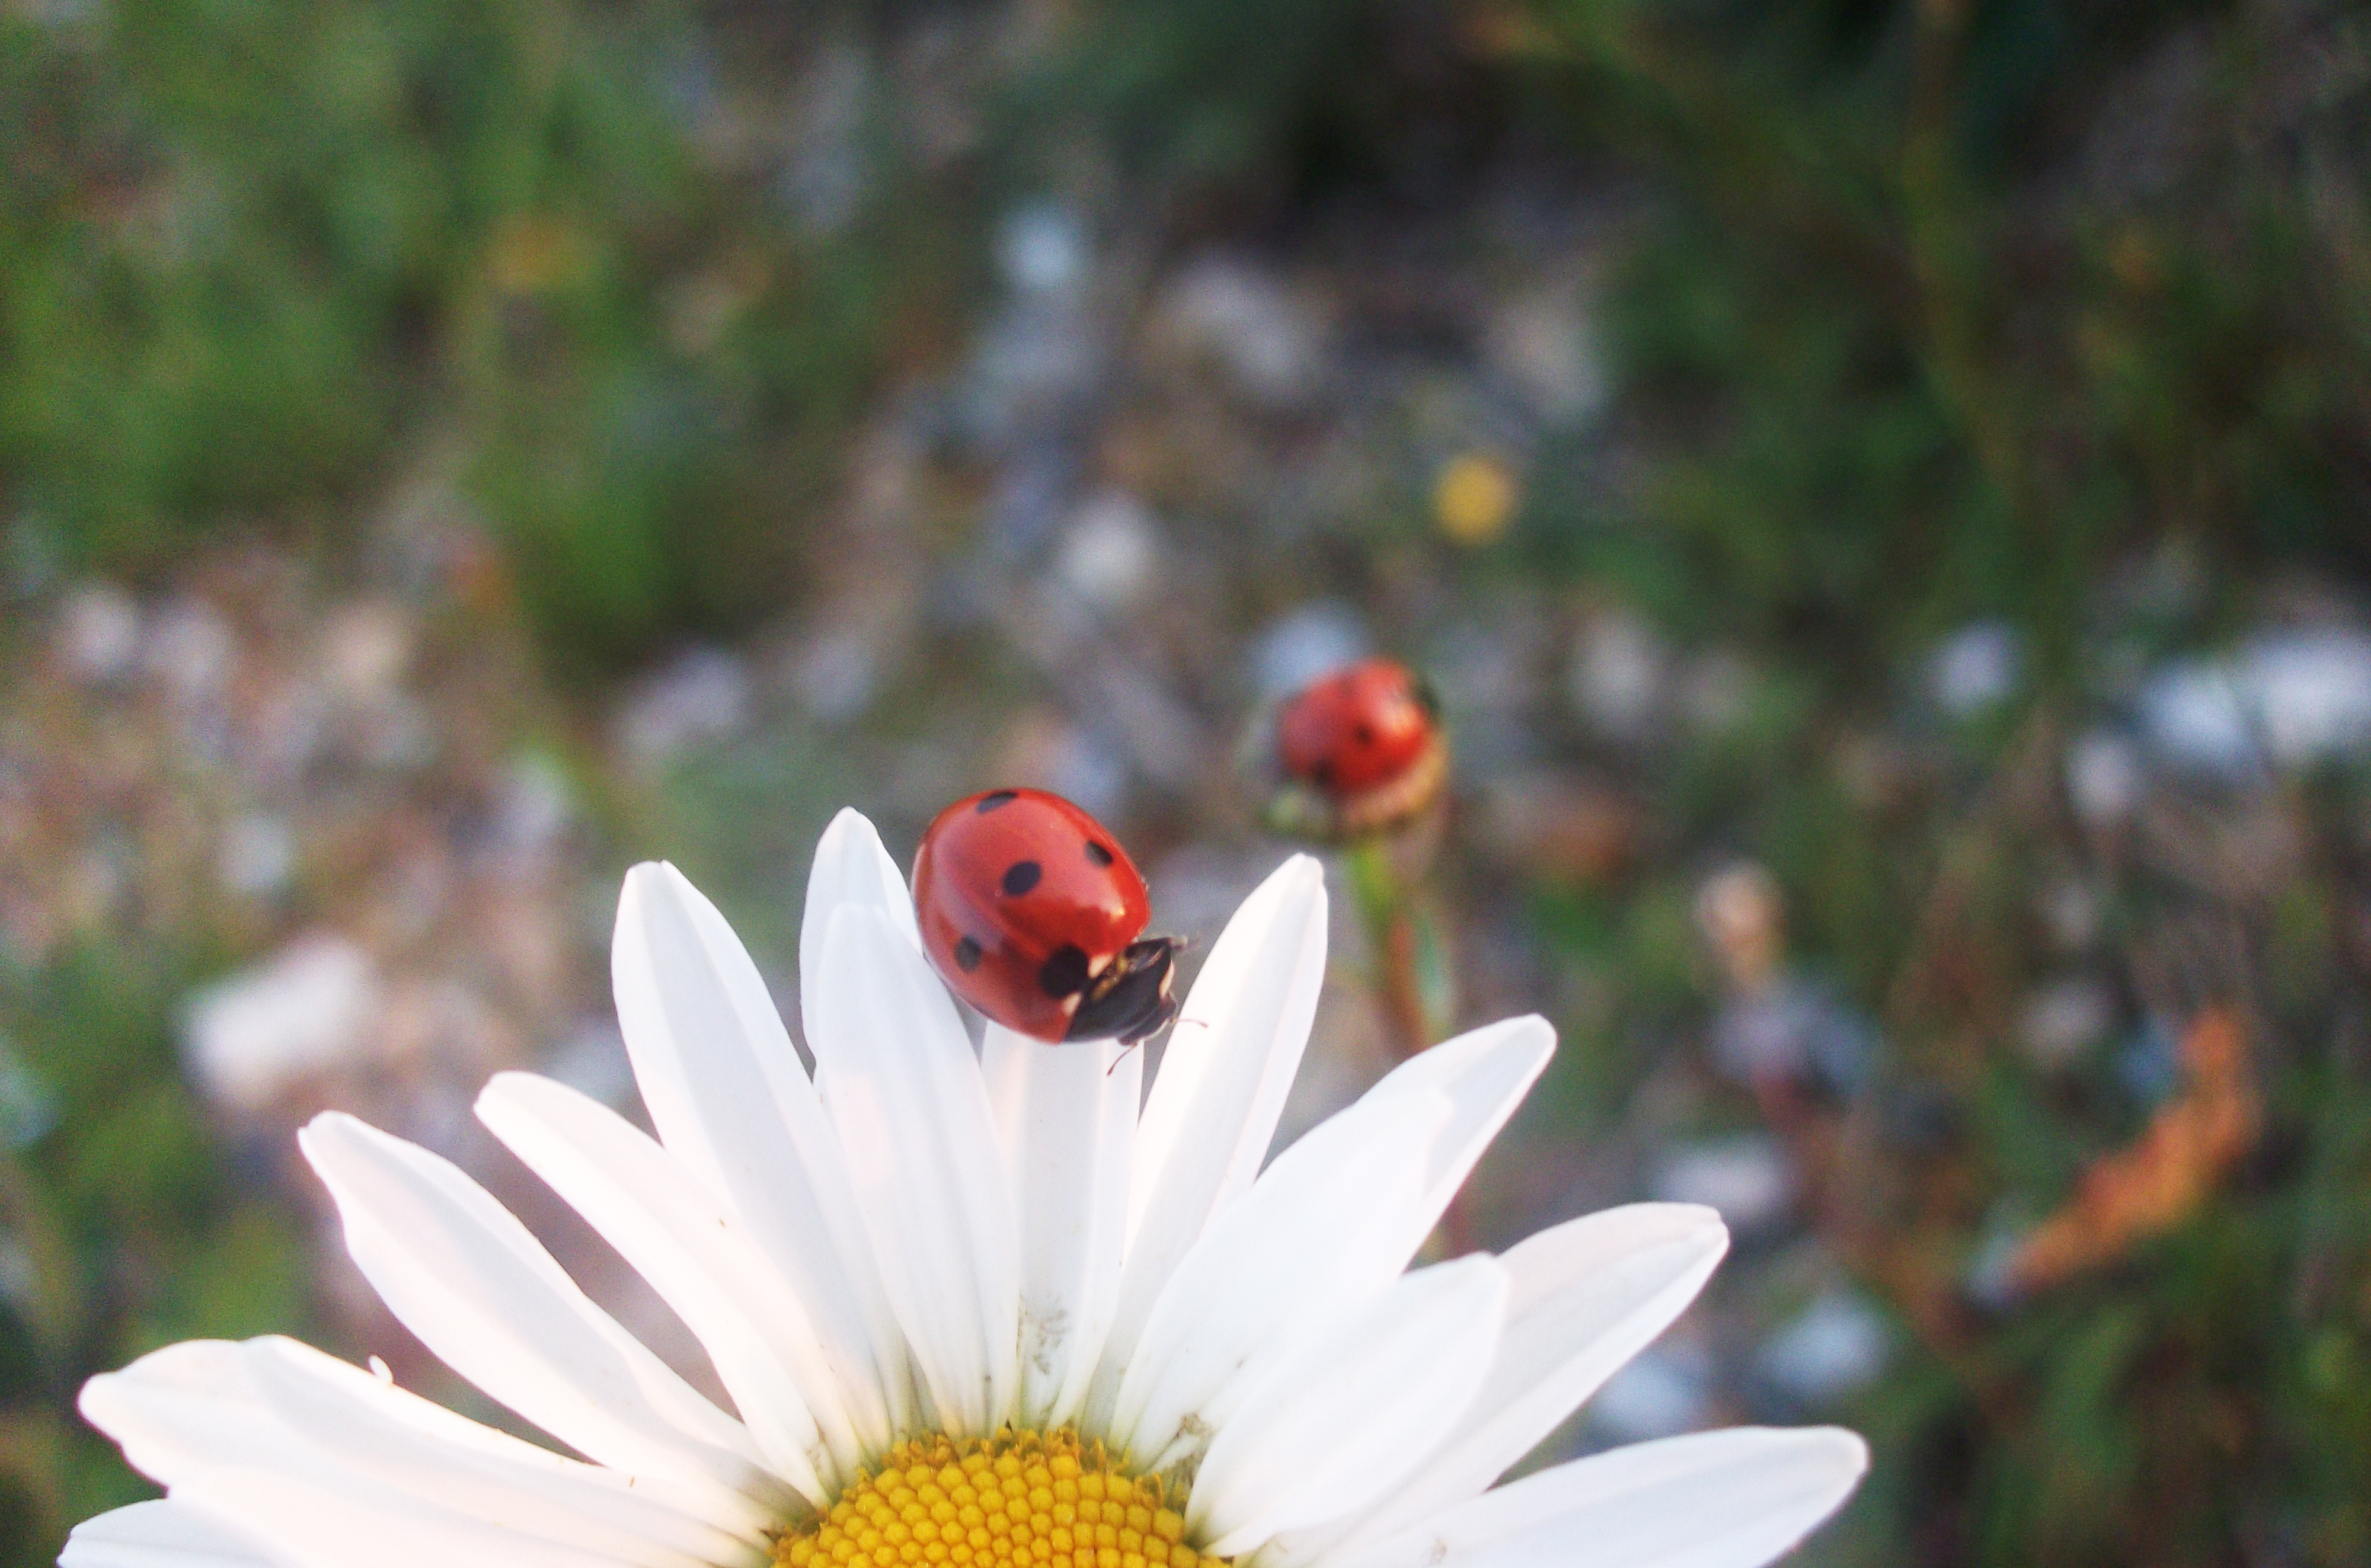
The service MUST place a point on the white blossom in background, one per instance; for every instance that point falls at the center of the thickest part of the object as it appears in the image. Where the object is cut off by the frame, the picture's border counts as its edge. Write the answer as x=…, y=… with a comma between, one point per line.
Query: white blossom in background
x=2288, y=700
x=2105, y=780
x=98, y=632
x=1619, y=675
x=304, y=1011
x=2312, y=694
x=1110, y=551
x=1835, y=1346
x=1312, y=640
x=703, y=695
x=1976, y=668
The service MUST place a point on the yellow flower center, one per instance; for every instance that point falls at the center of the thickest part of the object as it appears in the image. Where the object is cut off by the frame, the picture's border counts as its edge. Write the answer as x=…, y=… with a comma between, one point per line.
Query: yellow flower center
x=1016, y=1500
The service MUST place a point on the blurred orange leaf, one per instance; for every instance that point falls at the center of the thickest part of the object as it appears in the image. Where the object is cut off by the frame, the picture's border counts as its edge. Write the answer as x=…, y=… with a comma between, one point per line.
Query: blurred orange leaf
x=2150, y=1187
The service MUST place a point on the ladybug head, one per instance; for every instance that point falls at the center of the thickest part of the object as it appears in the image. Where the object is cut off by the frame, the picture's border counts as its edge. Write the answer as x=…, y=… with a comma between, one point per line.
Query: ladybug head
x=1131, y=1000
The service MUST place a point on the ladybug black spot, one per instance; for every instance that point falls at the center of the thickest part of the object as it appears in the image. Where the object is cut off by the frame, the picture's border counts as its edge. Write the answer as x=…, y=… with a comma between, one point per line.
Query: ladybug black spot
x=1020, y=876
x=1065, y=973
x=1323, y=775
x=1098, y=854
x=996, y=798
x=1364, y=734
x=966, y=955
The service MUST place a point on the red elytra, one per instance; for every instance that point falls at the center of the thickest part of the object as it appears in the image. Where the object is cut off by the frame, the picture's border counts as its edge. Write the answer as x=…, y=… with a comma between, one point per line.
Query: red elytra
x=1356, y=729
x=1033, y=913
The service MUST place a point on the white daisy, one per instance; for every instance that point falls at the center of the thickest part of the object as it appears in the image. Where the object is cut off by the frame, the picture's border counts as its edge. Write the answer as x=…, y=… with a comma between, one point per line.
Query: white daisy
x=973, y=1310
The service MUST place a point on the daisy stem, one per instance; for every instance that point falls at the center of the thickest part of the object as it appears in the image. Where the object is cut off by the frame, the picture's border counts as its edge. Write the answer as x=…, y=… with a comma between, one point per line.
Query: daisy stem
x=1405, y=946
x=1409, y=970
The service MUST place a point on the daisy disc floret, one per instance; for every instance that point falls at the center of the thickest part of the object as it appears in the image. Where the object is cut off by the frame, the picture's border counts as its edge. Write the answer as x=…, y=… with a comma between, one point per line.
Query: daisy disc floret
x=990, y=1306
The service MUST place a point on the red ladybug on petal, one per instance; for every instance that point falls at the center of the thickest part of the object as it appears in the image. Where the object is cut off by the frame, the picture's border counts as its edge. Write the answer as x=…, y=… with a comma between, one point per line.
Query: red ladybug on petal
x=1365, y=742
x=1033, y=914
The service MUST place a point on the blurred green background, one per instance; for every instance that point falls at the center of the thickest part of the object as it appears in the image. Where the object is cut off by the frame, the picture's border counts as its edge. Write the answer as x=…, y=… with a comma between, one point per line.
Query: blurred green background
x=1884, y=487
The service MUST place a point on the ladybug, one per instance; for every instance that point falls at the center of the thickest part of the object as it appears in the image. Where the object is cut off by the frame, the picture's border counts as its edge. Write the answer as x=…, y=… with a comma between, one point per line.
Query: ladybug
x=1362, y=750
x=1034, y=915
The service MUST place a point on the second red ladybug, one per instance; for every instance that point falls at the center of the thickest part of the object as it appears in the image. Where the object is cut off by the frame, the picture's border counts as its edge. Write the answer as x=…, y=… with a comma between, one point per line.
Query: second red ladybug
x=1360, y=751
x=1034, y=915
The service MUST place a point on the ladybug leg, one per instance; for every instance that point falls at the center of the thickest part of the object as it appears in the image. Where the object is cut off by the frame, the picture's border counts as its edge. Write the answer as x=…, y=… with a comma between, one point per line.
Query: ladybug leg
x=1183, y=1024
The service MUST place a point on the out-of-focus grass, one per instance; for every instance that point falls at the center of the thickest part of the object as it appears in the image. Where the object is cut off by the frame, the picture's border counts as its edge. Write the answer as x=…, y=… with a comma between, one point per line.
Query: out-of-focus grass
x=1941, y=312
x=1947, y=306
x=1926, y=312
x=131, y=1230
x=258, y=263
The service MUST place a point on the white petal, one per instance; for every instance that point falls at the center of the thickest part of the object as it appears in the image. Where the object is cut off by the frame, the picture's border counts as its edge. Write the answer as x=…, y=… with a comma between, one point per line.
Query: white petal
x=1214, y=1104
x=673, y=1232
x=1339, y=1235
x=463, y=1275
x=1733, y=1499
x=929, y=1175
x=1322, y=1231
x=1066, y=1115
x=303, y=1521
x=1486, y=1073
x=730, y=1100
x=850, y=867
x=160, y=1535
x=1588, y=1295
x=279, y=1407
x=1351, y=1416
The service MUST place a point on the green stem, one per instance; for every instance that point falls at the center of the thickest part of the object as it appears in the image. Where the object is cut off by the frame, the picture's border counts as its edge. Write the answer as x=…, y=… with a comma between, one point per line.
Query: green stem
x=1414, y=983
x=1411, y=969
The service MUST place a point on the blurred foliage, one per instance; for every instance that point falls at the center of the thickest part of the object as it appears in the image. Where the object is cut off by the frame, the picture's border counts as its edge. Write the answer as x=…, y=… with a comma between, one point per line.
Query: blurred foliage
x=1948, y=306
x=1942, y=311
x=125, y=1225
x=253, y=259
x=1941, y=307
x=1928, y=311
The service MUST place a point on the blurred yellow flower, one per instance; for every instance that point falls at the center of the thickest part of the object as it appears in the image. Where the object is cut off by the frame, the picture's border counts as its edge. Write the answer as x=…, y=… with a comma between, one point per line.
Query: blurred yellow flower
x=1476, y=498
